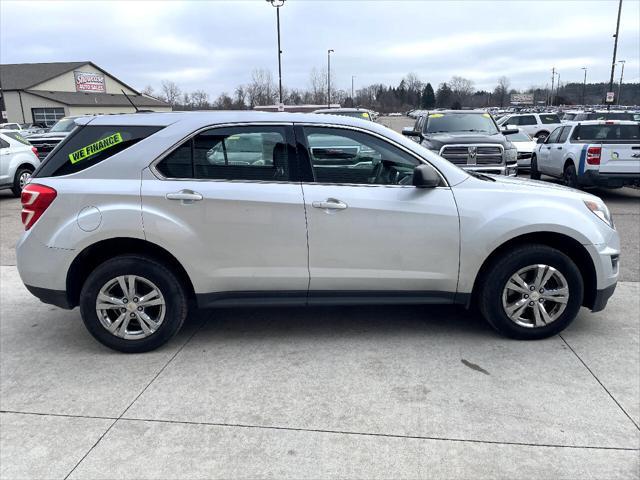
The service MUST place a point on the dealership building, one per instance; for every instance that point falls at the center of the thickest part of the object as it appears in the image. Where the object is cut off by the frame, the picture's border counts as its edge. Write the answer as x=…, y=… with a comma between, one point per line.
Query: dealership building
x=46, y=92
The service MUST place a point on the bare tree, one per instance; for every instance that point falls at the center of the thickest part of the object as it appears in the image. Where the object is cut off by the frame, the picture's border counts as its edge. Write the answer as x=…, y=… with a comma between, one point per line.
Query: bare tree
x=200, y=100
x=170, y=92
x=261, y=90
x=318, y=86
x=223, y=102
x=502, y=89
x=148, y=90
x=240, y=97
x=462, y=89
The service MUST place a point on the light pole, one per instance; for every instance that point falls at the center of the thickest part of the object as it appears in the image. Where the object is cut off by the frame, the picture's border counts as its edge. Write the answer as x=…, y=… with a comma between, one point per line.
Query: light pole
x=278, y=4
x=584, y=85
x=553, y=78
x=615, y=50
x=329, y=77
x=621, y=75
x=352, y=101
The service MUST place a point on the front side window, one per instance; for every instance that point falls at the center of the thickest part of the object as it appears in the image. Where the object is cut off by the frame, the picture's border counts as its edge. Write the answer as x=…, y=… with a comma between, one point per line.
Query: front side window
x=89, y=145
x=352, y=157
x=553, y=138
x=549, y=118
x=528, y=120
x=564, y=135
x=234, y=153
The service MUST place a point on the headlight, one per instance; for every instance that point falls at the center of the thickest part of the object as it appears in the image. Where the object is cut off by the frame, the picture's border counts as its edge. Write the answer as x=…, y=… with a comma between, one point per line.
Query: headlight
x=511, y=155
x=601, y=211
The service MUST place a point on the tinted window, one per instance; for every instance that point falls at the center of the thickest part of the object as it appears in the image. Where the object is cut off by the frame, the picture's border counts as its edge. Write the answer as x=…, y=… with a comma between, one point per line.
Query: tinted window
x=549, y=118
x=238, y=153
x=346, y=156
x=607, y=132
x=564, y=134
x=605, y=116
x=553, y=138
x=90, y=145
x=569, y=116
x=17, y=137
x=3, y=143
x=527, y=120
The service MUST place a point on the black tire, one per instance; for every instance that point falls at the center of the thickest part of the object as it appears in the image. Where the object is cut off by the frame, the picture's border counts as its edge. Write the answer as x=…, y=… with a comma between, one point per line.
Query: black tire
x=16, y=188
x=171, y=288
x=534, y=173
x=570, y=176
x=501, y=270
x=542, y=134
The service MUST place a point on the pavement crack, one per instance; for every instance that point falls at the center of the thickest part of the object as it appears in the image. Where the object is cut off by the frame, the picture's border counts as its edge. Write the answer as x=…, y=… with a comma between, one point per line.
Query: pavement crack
x=601, y=384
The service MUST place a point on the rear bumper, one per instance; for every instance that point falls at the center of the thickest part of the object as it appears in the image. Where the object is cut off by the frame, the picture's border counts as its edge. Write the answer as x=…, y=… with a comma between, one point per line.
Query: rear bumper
x=598, y=179
x=58, y=298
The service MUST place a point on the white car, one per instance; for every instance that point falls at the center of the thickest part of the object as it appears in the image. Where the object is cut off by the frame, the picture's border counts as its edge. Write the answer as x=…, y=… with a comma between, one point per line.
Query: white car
x=136, y=218
x=535, y=124
x=18, y=160
x=524, y=146
x=592, y=153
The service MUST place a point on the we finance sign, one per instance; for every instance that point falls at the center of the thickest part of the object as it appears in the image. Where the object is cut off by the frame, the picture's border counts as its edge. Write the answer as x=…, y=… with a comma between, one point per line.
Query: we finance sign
x=89, y=82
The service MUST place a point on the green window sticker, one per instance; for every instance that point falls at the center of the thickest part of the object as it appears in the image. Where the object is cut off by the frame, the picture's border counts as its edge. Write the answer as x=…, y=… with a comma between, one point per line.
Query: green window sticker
x=96, y=147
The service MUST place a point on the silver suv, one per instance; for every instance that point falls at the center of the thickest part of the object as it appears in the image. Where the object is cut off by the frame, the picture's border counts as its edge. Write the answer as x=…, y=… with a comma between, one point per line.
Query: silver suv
x=136, y=217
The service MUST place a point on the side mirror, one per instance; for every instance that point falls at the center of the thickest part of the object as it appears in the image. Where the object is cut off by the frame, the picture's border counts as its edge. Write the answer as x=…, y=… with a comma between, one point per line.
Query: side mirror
x=541, y=139
x=509, y=129
x=425, y=176
x=410, y=132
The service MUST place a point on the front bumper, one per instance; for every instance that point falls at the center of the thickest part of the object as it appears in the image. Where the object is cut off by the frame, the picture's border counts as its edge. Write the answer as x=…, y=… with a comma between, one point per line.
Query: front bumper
x=602, y=297
x=510, y=170
x=595, y=178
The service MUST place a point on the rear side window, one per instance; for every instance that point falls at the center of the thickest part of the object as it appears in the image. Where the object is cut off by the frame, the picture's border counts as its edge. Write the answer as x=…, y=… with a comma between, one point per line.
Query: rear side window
x=607, y=132
x=547, y=118
x=232, y=153
x=528, y=120
x=17, y=137
x=89, y=145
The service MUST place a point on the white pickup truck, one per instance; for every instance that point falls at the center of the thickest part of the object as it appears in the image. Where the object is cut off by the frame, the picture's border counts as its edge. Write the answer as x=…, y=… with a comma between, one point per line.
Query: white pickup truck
x=591, y=153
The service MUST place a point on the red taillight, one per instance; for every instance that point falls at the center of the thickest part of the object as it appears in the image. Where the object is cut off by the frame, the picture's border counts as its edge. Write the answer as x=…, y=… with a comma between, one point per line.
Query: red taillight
x=593, y=155
x=35, y=200
x=35, y=151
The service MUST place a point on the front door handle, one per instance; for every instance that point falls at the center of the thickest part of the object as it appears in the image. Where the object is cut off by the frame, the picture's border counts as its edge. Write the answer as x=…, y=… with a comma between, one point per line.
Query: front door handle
x=330, y=204
x=559, y=148
x=186, y=196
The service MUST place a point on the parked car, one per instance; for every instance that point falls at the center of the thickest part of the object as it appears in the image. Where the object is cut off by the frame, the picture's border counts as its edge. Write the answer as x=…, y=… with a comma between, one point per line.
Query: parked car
x=524, y=145
x=18, y=160
x=535, y=124
x=33, y=128
x=591, y=153
x=469, y=139
x=135, y=217
x=347, y=112
x=46, y=142
x=10, y=126
x=603, y=115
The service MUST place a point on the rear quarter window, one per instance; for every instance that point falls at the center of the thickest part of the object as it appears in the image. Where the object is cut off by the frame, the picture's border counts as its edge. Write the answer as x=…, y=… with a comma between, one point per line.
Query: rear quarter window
x=17, y=137
x=549, y=118
x=90, y=145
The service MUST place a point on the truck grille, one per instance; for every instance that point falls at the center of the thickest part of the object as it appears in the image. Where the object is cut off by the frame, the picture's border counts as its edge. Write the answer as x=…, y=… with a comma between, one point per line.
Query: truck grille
x=473, y=154
x=44, y=147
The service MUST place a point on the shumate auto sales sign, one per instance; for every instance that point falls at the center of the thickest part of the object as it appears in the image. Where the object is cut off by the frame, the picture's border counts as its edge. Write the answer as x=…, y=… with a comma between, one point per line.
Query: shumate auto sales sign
x=89, y=82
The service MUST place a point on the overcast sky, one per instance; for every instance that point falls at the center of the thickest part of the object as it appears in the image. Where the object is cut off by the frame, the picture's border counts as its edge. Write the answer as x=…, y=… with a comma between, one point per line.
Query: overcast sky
x=214, y=45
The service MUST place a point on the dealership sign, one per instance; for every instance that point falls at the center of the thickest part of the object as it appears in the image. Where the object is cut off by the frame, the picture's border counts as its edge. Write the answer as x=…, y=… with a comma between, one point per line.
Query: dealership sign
x=89, y=82
x=520, y=98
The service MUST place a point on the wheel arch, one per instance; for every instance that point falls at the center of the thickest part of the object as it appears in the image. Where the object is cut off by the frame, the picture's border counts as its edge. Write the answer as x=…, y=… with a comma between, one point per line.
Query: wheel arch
x=564, y=243
x=95, y=254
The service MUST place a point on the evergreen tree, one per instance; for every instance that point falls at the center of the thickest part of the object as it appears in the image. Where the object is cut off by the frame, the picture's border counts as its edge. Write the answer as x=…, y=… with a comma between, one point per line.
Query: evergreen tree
x=444, y=96
x=428, y=97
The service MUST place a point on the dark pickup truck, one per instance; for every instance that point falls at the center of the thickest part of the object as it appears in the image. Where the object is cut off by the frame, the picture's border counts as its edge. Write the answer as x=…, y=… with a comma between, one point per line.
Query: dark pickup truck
x=470, y=139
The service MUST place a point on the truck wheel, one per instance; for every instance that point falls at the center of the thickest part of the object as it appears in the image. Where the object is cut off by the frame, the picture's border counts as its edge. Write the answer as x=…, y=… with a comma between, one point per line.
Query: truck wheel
x=534, y=174
x=532, y=292
x=133, y=304
x=542, y=134
x=22, y=176
x=570, y=176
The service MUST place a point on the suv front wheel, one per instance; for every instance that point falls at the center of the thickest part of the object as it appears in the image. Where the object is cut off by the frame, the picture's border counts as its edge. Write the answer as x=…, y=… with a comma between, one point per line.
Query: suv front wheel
x=532, y=292
x=133, y=304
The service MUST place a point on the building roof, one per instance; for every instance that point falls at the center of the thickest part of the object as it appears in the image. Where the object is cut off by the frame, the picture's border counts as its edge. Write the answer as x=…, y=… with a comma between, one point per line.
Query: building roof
x=86, y=99
x=22, y=76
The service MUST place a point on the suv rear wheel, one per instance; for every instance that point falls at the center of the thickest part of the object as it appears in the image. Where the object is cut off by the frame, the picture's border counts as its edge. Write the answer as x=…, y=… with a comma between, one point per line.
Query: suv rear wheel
x=532, y=292
x=133, y=304
x=22, y=176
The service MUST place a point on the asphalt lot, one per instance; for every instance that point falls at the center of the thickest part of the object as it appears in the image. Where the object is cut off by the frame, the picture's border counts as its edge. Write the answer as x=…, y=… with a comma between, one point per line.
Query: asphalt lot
x=355, y=392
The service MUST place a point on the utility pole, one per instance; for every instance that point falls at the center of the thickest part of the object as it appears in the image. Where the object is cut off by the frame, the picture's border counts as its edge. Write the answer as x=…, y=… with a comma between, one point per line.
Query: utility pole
x=353, y=76
x=615, y=50
x=278, y=4
x=621, y=75
x=558, y=88
x=329, y=78
x=553, y=78
x=584, y=85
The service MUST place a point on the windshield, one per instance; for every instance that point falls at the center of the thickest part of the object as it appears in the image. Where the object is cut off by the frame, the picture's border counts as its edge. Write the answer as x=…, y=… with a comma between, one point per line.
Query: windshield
x=64, y=125
x=569, y=116
x=460, y=122
x=520, y=137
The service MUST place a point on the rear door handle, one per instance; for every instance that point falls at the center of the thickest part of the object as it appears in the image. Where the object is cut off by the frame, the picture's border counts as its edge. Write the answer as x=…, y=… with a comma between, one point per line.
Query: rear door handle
x=330, y=204
x=186, y=196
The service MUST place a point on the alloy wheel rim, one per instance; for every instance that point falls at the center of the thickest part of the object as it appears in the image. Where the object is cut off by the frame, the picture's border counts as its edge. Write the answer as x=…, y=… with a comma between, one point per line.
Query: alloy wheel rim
x=535, y=296
x=24, y=178
x=130, y=307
